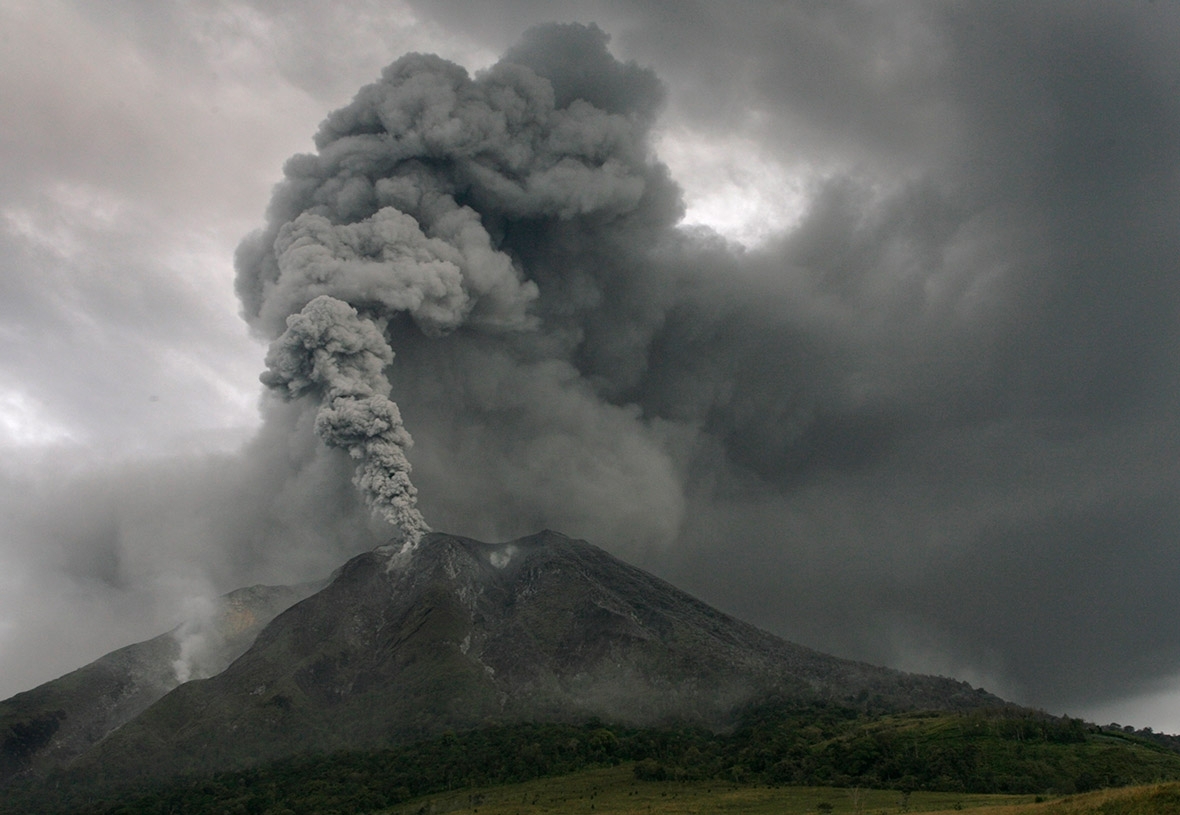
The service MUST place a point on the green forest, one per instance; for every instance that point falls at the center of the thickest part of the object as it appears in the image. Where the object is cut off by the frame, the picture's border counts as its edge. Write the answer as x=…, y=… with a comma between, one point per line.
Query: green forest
x=778, y=744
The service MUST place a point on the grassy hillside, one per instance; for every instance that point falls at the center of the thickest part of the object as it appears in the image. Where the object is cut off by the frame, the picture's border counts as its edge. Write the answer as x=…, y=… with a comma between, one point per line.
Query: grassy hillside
x=1151, y=799
x=1001, y=751
x=616, y=791
x=612, y=792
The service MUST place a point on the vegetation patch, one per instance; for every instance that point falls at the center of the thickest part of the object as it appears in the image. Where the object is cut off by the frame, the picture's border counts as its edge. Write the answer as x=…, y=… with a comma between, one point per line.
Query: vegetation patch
x=616, y=792
x=777, y=751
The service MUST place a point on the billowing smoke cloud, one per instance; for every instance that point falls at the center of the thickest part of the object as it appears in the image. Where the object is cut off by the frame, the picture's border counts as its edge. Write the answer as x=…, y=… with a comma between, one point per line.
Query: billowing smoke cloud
x=929, y=424
x=565, y=356
x=420, y=217
x=938, y=356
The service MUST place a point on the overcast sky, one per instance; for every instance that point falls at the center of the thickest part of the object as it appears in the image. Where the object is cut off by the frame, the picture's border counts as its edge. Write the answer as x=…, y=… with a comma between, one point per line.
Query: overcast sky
x=861, y=322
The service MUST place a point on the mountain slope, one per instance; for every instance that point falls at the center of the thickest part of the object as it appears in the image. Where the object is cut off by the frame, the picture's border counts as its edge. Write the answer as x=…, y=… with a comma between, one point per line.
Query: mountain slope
x=54, y=723
x=457, y=633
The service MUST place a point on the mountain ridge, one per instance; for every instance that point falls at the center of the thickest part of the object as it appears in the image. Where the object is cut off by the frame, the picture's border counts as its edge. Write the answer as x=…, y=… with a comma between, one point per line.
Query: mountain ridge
x=52, y=724
x=456, y=633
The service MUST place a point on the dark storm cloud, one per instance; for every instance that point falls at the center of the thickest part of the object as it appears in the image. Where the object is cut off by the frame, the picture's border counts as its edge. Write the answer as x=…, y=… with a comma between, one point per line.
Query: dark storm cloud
x=942, y=398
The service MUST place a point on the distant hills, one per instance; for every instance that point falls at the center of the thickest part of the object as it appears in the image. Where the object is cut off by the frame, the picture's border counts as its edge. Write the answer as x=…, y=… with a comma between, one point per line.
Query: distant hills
x=458, y=636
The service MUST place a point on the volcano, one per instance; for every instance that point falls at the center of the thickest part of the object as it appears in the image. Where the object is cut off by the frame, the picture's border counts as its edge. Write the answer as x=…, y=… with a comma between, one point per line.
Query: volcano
x=455, y=634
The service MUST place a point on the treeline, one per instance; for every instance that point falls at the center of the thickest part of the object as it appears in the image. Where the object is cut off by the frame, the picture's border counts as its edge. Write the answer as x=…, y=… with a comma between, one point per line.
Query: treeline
x=776, y=743
x=1170, y=741
x=1002, y=751
x=355, y=781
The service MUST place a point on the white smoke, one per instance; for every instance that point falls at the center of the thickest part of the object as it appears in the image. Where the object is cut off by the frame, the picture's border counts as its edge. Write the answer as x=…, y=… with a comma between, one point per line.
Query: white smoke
x=198, y=640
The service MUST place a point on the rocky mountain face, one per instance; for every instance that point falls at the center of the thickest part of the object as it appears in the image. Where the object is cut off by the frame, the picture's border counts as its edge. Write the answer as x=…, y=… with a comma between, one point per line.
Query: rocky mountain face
x=54, y=723
x=458, y=633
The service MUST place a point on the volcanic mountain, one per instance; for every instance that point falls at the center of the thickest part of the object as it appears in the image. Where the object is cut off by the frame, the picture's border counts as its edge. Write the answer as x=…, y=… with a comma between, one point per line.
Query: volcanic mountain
x=456, y=633
x=54, y=723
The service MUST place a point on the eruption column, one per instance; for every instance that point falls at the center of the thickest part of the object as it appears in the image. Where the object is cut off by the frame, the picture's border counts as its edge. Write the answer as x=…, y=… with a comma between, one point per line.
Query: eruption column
x=329, y=349
x=437, y=204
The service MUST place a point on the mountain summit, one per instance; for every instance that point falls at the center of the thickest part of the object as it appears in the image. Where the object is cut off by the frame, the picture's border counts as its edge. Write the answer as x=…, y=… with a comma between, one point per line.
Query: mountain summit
x=455, y=633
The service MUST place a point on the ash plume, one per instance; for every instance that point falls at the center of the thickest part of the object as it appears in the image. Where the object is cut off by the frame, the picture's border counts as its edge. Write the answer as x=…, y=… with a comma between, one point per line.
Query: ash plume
x=405, y=228
x=329, y=350
x=934, y=403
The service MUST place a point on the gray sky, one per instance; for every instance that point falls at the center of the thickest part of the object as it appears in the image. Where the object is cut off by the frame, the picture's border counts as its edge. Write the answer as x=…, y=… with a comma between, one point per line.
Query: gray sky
x=912, y=400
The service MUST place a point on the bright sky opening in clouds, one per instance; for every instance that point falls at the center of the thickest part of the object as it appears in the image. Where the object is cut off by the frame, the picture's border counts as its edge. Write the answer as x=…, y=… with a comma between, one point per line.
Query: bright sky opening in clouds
x=731, y=188
x=23, y=422
x=925, y=417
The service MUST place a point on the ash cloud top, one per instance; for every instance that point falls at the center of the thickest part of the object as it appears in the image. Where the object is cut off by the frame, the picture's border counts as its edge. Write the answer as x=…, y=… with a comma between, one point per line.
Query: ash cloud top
x=928, y=420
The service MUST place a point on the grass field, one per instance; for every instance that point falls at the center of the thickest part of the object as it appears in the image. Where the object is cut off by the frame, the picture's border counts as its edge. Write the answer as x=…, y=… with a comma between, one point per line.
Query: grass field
x=615, y=791
x=1150, y=799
